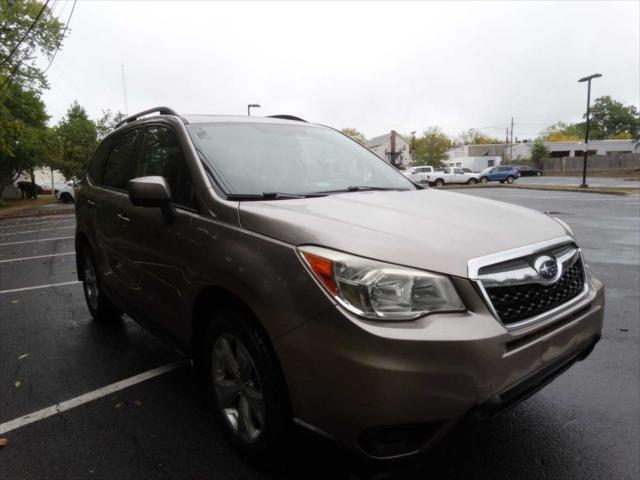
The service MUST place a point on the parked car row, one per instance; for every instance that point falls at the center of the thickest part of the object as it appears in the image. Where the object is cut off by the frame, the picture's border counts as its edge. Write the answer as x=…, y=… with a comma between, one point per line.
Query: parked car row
x=441, y=176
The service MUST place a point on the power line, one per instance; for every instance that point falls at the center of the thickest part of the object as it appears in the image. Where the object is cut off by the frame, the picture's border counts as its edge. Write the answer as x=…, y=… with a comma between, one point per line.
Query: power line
x=33, y=24
x=64, y=32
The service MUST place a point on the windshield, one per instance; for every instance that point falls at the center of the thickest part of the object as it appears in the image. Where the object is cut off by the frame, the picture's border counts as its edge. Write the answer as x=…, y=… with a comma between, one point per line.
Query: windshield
x=258, y=158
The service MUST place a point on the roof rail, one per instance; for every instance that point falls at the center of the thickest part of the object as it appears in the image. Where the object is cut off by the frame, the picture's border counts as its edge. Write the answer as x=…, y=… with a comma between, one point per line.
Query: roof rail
x=160, y=110
x=288, y=117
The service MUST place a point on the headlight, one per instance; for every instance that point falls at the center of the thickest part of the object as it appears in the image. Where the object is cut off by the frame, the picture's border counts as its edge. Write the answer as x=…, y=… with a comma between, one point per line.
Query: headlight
x=380, y=291
x=566, y=226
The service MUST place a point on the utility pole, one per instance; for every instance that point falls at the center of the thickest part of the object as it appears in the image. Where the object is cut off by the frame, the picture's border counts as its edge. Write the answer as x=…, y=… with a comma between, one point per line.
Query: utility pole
x=124, y=90
x=506, y=142
x=511, y=144
x=413, y=147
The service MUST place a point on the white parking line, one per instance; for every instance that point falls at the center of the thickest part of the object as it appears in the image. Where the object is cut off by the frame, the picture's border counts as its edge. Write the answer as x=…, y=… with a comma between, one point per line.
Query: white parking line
x=24, y=289
x=35, y=241
x=39, y=230
x=87, y=397
x=37, y=256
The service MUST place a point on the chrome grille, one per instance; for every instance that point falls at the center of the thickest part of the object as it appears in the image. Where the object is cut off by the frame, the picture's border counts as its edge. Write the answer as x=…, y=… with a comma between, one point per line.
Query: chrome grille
x=532, y=284
x=516, y=303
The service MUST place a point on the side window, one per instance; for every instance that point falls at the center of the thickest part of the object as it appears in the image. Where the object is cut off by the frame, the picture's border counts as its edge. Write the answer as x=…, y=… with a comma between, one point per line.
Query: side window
x=121, y=165
x=459, y=171
x=99, y=158
x=161, y=155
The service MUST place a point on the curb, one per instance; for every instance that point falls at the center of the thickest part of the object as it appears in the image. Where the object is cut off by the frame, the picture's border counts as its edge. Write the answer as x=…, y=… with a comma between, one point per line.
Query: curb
x=601, y=191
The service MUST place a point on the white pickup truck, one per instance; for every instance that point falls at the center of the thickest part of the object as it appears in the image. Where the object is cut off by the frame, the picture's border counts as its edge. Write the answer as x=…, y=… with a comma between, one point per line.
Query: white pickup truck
x=419, y=174
x=451, y=175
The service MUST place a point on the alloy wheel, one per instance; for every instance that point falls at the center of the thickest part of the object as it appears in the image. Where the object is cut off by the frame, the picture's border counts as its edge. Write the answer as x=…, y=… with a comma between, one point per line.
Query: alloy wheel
x=90, y=283
x=238, y=388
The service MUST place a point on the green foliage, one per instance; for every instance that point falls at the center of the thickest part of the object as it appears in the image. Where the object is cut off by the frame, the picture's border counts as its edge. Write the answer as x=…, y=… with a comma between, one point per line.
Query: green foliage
x=538, y=152
x=431, y=148
x=355, y=134
x=78, y=139
x=475, y=137
x=564, y=132
x=19, y=47
x=107, y=122
x=25, y=140
x=610, y=118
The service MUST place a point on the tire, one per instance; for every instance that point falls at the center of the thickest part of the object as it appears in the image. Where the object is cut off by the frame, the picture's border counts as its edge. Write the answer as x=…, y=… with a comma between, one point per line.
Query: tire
x=510, y=179
x=99, y=306
x=539, y=174
x=244, y=379
x=472, y=181
x=501, y=181
x=484, y=180
x=66, y=198
x=439, y=182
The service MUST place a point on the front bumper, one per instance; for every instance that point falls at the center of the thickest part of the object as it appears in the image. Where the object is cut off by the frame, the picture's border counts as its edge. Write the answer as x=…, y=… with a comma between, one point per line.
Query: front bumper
x=368, y=384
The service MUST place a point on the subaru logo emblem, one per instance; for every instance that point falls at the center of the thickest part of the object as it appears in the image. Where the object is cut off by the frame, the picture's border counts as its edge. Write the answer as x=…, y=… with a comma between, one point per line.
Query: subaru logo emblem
x=547, y=268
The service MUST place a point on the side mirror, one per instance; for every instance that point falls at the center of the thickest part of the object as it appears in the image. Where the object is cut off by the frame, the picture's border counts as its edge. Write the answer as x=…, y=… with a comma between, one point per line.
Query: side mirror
x=152, y=192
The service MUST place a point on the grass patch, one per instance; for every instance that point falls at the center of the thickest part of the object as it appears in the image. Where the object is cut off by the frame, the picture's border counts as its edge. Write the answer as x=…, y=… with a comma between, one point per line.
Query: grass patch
x=8, y=207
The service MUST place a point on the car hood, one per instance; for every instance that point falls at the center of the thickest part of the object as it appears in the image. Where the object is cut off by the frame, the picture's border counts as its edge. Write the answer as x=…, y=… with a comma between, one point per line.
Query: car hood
x=427, y=229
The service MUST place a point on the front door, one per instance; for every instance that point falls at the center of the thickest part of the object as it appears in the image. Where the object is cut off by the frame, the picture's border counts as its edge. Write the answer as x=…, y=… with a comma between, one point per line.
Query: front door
x=164, y=250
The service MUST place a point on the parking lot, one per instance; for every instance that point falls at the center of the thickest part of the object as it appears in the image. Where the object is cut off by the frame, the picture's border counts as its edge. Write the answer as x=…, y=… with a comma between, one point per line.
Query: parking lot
x=584, y=425
x=577, y=181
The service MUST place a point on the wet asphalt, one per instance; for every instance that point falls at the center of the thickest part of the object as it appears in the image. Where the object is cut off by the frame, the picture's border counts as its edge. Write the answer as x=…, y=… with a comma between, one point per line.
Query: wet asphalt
x=586, y=424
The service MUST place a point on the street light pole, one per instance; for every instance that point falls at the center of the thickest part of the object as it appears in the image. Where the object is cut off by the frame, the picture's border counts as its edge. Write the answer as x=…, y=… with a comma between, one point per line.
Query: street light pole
x=413, y=147
x=586, y=130
x=250, y=106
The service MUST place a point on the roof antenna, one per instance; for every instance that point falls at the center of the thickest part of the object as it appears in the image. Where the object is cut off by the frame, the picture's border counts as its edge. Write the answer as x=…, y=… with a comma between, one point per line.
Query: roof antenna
x=124, y=90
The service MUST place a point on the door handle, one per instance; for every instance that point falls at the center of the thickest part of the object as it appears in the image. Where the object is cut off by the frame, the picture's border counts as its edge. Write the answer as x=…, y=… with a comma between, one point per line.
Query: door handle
x=123, y=217
x=91, y=203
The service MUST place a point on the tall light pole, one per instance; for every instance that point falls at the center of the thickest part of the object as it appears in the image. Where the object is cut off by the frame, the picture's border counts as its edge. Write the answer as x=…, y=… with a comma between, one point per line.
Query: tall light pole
x=586, y=130
x=413, y=147
x=250, y=106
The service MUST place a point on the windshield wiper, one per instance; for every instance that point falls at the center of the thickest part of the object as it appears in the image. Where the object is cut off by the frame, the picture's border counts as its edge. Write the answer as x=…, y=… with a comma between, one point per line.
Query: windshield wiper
x=364, y=188
x=270, y=196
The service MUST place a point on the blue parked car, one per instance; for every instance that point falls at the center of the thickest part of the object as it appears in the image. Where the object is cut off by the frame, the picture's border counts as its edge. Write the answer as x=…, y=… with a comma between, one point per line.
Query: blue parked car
x=502, y=173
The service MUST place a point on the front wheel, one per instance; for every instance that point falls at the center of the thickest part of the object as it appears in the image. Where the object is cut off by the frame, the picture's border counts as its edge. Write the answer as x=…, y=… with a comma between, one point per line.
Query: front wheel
x=472, y=181
x=246, y=383
x=439, y=182
x=484, y=180
x=510, y=179
x=539, y=174
x=66, y=198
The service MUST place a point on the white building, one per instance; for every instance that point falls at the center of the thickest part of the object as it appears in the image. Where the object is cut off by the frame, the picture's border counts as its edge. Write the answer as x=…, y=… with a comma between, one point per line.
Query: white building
x=392, y=148
x=475, y=164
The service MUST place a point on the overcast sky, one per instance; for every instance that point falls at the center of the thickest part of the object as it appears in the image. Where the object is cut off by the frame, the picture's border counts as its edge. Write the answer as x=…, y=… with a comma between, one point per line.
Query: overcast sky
x=375, y=66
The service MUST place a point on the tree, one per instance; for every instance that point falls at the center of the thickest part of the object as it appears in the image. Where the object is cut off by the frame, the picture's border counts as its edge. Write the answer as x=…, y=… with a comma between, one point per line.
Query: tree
x=78, y=139
x=538, y=153
x=431, y=148
x=610, y=118
x=107, y=122
x=355, y=134
x=24, y=135
x=475, y=137
x=28, y=30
